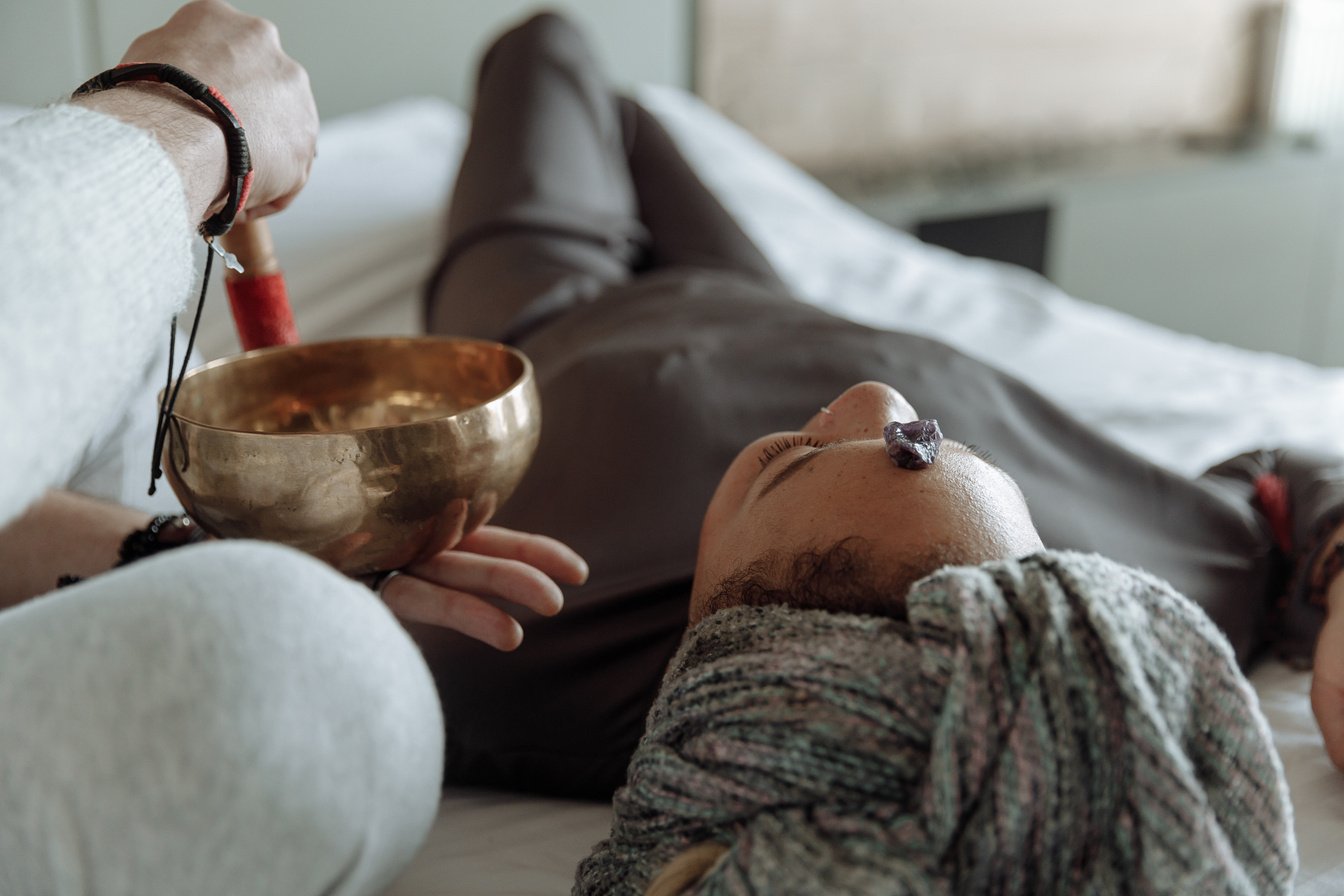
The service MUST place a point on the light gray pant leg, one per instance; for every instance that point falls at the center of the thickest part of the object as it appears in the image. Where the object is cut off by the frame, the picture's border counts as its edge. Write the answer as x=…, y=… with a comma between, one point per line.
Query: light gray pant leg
x=230, y=718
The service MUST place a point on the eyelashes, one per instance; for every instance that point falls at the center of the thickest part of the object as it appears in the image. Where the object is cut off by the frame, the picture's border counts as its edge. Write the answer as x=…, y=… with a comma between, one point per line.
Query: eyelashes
x=981, y=453
x=779, y=446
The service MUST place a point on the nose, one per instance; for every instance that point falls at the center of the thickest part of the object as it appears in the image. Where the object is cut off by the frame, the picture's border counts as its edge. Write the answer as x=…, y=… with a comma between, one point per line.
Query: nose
x=860, y=412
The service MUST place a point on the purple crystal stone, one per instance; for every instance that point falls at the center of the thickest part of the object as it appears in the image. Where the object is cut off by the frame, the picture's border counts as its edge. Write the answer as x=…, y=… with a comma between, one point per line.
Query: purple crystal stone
x=913, y=446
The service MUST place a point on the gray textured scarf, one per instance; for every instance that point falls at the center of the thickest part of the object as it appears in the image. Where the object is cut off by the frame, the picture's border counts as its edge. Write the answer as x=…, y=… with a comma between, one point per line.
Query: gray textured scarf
x=1060, y=724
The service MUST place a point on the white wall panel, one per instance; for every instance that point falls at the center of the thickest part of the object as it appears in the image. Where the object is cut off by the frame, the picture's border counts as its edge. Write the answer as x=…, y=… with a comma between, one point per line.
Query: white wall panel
x=899, y=83
x=357, y=53
x=44, y=49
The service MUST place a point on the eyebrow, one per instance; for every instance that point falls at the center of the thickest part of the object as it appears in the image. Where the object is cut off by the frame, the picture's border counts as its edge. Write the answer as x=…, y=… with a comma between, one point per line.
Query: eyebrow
x=794, y=467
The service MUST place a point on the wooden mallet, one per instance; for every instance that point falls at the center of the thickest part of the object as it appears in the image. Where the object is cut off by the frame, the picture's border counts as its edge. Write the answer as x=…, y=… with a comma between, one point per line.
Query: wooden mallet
x=257, y=296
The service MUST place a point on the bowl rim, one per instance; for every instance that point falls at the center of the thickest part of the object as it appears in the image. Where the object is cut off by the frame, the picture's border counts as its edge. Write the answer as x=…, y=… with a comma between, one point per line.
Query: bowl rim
x=520, y=382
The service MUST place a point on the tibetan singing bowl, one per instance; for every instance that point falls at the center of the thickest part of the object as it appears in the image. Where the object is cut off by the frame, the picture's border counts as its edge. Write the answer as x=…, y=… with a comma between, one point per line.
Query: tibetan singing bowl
x=366, y=453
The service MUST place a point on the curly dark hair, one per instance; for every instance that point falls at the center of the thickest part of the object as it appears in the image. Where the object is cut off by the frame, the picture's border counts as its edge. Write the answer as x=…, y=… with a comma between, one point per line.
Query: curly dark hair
x=844, y=577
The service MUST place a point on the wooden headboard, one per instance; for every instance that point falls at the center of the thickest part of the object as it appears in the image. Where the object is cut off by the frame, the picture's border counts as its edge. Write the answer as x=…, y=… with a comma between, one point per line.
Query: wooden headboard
x=358, y=54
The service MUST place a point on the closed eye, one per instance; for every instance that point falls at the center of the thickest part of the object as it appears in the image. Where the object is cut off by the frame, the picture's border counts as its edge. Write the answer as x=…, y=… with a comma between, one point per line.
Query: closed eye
x=779, y=446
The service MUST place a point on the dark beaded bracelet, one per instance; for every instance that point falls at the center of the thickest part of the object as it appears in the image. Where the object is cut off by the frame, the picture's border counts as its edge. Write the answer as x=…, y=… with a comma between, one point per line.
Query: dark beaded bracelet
x=164, y=532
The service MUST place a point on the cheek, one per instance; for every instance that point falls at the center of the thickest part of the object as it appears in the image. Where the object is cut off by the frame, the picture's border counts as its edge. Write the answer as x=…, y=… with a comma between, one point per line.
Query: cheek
x=727, y=497
x=716, y=527
x=737, y=479
x=714, y=533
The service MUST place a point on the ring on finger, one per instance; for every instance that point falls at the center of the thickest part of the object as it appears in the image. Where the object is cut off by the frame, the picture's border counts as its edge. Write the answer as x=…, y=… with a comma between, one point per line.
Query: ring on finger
x=380, y=581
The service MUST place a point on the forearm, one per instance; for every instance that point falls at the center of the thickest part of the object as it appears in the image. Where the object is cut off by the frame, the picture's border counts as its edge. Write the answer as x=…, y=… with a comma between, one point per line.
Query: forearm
x=62, y=533
x=101, y=198
x=182, y=127
x=98, y=256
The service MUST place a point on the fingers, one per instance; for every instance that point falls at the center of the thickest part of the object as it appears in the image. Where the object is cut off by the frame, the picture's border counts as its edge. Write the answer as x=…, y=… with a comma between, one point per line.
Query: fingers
x=452, y=588
x=552, y=557
x=510, y=580
x=415, y=600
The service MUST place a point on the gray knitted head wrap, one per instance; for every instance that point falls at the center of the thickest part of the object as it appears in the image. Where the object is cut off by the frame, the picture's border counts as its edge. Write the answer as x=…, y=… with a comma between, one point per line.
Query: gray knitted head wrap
x=1059, y=724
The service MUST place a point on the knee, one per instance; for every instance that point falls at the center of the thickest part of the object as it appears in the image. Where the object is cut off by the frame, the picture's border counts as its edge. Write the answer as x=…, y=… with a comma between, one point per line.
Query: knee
x=300, y=652
x=233, y=690
x=267, y=613
x=339, y=705
x=546, y=34
x=544, y=29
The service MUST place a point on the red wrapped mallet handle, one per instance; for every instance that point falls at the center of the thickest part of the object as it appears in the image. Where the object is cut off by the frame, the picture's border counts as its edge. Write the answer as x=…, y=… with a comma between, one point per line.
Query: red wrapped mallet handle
x=257, y=297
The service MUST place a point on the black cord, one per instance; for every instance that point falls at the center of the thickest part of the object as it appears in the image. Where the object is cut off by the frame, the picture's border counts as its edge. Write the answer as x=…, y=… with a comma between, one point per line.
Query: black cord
x=169, y=398
x=240, y=183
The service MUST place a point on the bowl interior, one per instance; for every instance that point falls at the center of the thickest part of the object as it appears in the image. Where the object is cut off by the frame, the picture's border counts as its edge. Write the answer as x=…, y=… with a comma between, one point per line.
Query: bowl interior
x=349, y=385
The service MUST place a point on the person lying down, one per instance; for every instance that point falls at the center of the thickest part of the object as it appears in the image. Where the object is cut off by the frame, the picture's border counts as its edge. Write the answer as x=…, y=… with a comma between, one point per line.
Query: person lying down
x=663, y=342
x=894, y=670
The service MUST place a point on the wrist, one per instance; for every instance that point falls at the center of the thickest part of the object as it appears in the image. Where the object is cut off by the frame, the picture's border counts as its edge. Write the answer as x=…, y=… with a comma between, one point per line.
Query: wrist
x=186, y=131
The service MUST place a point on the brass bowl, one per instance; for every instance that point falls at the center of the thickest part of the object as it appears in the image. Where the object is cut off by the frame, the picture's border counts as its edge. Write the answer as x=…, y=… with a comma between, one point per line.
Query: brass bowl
x=366, y=453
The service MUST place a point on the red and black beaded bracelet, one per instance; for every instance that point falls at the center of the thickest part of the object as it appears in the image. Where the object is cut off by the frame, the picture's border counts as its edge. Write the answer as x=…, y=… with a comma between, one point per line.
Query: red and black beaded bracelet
x=235, y=140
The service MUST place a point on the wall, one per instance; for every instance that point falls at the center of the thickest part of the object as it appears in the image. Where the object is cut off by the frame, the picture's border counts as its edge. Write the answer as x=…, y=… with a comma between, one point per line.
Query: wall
x=357, y=54
x=889, y=83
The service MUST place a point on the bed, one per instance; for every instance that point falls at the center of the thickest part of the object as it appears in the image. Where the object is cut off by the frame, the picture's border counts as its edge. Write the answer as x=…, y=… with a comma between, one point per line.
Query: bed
x=361, y=238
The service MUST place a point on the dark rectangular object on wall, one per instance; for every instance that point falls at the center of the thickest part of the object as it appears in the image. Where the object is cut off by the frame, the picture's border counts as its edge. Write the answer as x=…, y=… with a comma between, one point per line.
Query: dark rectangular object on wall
x=1018, y=236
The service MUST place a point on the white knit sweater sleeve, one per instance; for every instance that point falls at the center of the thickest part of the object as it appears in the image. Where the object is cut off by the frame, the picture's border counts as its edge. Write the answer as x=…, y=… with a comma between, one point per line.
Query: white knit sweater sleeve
x=95, y=257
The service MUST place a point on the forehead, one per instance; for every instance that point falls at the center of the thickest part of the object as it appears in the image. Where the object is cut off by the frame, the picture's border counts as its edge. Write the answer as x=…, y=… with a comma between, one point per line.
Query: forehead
x=855, y=489
x=843, y=464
